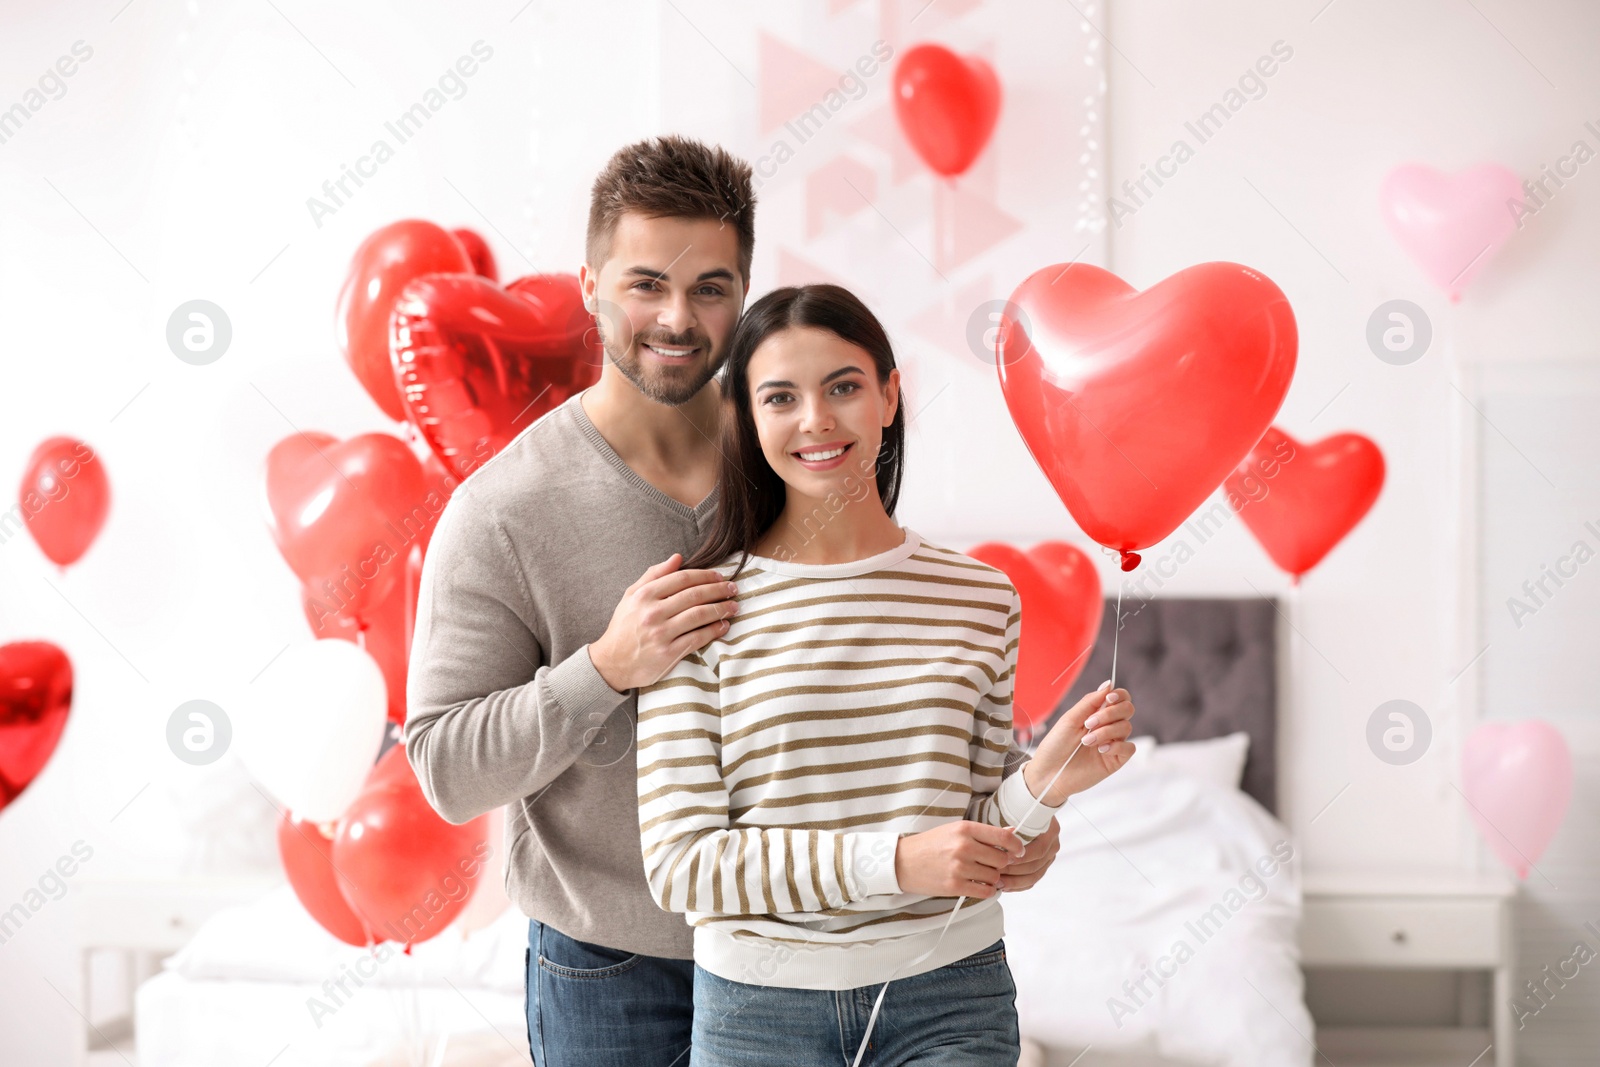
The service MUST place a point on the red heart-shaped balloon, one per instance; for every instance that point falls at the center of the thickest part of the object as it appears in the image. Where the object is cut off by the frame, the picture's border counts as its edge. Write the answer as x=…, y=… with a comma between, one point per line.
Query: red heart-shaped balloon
x=1136, y=405
x=345, y=515
x=35, y=699
x=384, y=264
x=483, y=263
x=476, y=364
x=405, y=872
x=1061, y=607
x=947, y=105
x=304, y=850
x=1300, y=500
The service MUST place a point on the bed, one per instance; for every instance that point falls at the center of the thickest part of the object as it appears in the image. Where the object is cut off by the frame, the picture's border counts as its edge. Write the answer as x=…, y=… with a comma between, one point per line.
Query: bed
x=1167, y=931
x=1161, y=846
x=261, y=984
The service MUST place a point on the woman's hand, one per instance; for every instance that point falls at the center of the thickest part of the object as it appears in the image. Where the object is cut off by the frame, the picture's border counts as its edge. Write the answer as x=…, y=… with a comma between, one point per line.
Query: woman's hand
x=958, y=859
x=1099, y=723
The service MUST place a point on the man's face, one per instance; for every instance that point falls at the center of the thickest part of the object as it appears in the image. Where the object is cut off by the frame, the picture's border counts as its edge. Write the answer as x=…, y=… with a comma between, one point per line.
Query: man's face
x=667, y=300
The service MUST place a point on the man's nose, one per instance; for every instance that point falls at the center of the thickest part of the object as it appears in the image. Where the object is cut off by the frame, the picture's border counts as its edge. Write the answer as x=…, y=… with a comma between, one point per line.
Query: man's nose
x=677, y=316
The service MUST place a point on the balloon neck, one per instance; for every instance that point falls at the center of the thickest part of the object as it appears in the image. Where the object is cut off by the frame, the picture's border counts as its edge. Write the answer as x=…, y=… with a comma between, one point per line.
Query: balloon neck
x=1130, y=560
x=1294, y=580
x=407, y=949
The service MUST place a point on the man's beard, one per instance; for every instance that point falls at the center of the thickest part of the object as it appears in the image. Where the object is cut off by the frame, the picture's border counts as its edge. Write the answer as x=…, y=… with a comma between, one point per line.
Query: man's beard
x=663, y=385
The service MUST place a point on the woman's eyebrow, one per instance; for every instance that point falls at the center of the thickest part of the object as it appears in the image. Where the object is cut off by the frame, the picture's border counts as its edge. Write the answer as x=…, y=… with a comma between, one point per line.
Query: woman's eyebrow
x=825, y=381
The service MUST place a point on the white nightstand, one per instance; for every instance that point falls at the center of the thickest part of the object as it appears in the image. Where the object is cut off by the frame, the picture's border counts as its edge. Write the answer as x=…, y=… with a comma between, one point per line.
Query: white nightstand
x=1434, y=923
x=145, y=921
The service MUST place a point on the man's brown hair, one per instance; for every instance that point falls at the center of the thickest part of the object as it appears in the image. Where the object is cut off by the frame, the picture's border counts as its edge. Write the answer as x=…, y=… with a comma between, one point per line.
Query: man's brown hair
x=672, y=177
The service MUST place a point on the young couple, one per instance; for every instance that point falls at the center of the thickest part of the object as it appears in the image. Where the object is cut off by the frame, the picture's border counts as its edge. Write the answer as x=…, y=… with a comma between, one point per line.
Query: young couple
x=711, y=675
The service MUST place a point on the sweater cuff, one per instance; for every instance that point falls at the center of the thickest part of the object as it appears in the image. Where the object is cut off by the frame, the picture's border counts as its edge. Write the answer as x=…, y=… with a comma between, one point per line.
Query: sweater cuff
x=1016, y=801
x=869, y=864
x=580, y=690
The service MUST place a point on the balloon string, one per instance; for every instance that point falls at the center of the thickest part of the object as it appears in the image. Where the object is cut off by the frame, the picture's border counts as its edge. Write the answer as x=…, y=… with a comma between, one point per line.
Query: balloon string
x=872, y=1019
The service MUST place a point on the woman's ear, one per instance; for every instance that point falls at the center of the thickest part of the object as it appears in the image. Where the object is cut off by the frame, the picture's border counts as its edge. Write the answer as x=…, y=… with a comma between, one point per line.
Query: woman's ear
x=891, y=396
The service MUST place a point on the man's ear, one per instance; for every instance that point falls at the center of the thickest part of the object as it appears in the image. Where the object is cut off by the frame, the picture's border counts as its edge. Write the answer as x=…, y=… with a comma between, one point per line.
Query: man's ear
x=587, y=283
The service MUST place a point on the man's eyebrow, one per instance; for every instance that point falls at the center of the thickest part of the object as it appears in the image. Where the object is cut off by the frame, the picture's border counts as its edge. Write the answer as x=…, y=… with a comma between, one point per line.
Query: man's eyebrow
x=790, y=385
x=661, y=275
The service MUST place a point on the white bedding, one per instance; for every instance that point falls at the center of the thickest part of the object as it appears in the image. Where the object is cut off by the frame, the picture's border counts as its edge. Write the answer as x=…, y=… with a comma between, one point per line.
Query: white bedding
x=264, y=981
x=1157, y=880
x=1144, y=856
x=184, y=1022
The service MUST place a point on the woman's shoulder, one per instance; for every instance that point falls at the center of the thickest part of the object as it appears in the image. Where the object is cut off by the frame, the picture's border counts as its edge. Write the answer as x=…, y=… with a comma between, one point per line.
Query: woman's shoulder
x=959, y=565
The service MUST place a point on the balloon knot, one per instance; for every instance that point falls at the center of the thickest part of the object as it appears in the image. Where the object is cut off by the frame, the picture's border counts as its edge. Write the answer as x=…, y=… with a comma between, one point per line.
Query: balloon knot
x=1130, y=560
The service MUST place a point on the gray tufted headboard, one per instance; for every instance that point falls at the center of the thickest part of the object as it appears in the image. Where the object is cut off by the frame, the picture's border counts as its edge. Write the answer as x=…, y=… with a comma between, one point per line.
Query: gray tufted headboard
x=1196, y=669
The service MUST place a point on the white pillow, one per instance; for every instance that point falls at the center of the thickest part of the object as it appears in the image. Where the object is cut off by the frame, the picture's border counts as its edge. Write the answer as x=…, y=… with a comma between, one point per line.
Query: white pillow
x=1218, y=759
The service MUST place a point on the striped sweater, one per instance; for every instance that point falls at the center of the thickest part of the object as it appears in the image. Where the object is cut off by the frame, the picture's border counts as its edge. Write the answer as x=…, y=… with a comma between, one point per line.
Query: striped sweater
x=848, y=704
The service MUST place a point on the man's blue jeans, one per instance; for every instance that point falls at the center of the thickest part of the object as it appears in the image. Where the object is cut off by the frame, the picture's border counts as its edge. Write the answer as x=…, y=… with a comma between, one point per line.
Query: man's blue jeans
x=592, y=1006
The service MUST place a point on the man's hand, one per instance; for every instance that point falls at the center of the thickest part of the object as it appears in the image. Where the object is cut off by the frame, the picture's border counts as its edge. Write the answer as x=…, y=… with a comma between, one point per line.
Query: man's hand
x=1025, y=873
x=661, y=618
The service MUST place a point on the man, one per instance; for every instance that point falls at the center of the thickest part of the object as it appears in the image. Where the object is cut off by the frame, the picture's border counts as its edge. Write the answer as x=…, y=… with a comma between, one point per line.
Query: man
x=552, y=591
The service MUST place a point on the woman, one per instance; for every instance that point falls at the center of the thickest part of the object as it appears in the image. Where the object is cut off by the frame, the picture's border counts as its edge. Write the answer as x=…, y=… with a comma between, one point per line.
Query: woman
x=822, y=783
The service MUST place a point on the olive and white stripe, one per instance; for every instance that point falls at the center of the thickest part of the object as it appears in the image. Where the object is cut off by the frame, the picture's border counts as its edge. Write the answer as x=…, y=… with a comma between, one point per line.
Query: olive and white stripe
x=779, y=764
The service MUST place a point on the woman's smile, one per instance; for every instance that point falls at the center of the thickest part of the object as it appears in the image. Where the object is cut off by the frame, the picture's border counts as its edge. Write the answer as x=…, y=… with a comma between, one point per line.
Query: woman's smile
x=827, y=456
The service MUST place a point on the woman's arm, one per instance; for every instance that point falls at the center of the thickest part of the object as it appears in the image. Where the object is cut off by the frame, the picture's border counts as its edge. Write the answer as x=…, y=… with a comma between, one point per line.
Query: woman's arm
x=694, y=861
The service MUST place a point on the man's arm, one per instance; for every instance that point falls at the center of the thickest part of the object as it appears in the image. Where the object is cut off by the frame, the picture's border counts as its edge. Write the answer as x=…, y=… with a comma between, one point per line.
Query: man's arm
x=488, y=720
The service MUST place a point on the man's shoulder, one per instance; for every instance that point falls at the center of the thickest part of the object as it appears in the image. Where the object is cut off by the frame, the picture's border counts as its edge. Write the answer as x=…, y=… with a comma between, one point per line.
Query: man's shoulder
x=537, y=462
x=543, y=448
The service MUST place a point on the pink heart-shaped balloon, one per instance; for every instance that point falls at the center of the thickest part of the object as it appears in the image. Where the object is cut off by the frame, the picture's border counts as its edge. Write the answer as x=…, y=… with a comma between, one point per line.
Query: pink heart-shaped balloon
x=1299, y=500
x=1136, y=405
x=1517, y=778
x=1451, y=224
x=476, y=363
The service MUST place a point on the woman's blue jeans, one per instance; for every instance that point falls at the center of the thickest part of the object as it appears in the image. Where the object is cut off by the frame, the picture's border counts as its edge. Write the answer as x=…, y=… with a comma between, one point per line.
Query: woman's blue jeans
x=960, y=1015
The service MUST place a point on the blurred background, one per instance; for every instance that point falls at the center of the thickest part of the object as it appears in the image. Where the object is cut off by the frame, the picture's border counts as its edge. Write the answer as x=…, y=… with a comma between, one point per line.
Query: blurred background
x=195, y=151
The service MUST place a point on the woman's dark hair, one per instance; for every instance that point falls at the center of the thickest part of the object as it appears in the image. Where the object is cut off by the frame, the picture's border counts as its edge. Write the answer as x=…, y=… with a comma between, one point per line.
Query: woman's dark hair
x=750, y=493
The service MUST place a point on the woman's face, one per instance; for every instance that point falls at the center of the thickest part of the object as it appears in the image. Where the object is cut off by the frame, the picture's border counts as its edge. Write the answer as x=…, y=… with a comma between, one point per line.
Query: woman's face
x=814, y=393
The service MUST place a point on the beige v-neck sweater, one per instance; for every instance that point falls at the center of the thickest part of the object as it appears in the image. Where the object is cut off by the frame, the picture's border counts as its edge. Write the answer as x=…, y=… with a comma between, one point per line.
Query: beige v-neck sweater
x=525, y=568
